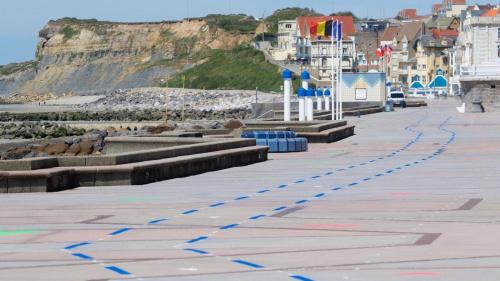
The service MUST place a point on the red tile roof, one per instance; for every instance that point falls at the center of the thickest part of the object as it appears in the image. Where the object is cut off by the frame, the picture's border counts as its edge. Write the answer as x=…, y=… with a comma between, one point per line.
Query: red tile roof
x=436, y=7
x=408, y=14
x=438, y=33
x=490, y=13
x=390, y=33
x=304, y=24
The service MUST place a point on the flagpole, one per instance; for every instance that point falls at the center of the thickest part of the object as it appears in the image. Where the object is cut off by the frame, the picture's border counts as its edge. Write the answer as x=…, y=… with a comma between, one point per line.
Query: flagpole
x=340, y=75
x=338, y=71
x=333, y=75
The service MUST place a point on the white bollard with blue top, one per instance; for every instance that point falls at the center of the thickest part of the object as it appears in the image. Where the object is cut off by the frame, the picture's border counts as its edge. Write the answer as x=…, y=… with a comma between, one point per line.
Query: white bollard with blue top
x=305, y=77
x=301, y=93
x=287, y=87
x=319, y=99
x=310, y=104
x=327, y=94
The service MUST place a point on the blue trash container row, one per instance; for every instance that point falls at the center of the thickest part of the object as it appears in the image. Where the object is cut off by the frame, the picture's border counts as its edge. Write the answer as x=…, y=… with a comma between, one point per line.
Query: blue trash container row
x=279, y=141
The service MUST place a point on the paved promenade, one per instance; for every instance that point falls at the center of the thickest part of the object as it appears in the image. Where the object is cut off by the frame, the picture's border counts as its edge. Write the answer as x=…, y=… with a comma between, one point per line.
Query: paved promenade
x=414, y=196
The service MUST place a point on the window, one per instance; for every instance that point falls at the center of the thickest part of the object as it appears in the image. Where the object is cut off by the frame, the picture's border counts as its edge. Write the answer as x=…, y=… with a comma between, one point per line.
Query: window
x=288, y=26
x=360, y=94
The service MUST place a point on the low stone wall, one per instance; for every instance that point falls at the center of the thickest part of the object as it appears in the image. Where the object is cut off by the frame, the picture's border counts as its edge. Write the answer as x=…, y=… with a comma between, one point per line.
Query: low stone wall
x=184, y=146
x=313, y=131
x=58, y=179
x=486, y=92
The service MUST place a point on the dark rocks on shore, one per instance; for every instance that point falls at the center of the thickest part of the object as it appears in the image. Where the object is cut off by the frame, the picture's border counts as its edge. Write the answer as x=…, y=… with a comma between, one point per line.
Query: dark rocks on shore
x=30, y=130
x=127, y=115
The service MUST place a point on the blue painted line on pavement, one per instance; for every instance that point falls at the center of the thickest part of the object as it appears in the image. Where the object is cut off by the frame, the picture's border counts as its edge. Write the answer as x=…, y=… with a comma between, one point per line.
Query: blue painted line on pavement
x=246, y=263
x=74, y=246
x=241, y=198
x=389, y=171
x=350, y=167
x=217, y=204
x=282, y=186
x=263, y=191
x=353, y=184
x=316, y=177
x=117, y=270
x=301, y=202
x=279, y=208
x=257, y=217
x=379, y=175
x=329, y=173
x=319, y=195
x=336, y=188
x=157, y=221
x=301, y=278
x=196, y=251
x=408, y=165
x=83, y=256
x=120, y=231
x=190, y=212
x=229, y=226
x=197, y=239
x=300, y=181
x=340, y=170
x=367, y=179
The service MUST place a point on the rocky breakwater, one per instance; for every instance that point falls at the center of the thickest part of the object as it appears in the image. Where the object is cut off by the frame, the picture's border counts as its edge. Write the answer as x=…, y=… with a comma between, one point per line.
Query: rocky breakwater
x=38, y=130
x=69, y=147
x=194, y=104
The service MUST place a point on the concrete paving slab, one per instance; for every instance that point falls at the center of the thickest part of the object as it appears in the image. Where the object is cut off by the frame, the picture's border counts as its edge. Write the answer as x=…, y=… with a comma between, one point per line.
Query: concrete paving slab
x=413, y=196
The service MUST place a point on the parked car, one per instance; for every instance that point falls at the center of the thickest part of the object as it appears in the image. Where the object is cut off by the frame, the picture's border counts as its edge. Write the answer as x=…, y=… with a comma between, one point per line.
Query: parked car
x=398, y=98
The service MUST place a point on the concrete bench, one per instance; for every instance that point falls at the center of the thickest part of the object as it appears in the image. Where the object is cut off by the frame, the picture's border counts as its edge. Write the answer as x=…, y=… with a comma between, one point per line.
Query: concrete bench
x=329, y=136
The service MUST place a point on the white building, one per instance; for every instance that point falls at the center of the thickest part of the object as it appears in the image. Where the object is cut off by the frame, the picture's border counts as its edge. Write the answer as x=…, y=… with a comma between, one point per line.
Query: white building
x=321, y=57
x=476, y=59
x=287, y=41
x=316, y=51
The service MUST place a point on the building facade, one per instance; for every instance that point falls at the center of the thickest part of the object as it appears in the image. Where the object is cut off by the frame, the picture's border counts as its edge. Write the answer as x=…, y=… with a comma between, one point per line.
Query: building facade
x=287, y=41
x=316, y=51
x=477, y=59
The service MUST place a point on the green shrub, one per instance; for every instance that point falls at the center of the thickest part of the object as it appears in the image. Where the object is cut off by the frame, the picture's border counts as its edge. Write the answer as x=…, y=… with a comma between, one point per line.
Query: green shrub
x=68, y=32
x=242, y=68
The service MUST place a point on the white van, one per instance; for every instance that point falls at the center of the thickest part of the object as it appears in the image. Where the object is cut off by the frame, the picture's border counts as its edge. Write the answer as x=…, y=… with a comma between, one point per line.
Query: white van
x=398, y=98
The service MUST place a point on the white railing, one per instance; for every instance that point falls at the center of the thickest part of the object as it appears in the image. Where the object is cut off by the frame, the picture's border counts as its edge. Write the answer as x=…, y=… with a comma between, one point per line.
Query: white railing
x=480, y=70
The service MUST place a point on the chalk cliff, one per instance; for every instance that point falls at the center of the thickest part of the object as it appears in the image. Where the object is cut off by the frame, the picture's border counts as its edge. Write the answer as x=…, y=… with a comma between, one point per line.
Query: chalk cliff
x=82, y=56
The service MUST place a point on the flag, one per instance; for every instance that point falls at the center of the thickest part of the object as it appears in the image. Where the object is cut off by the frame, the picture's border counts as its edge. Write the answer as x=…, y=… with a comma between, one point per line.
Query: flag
x=388, y=50
x=331, y=28
x=313, y=29
x=321, y=28
x=339, y=31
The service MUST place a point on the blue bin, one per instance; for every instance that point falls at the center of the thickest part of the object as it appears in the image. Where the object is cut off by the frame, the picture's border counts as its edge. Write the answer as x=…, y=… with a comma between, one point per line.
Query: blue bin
x=283, y=145
x=292, y=145
x=278, y=141
x=273, y=145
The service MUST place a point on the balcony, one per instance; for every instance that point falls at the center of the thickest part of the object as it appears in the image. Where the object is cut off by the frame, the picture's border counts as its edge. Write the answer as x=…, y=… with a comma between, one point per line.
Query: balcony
x=484, y=72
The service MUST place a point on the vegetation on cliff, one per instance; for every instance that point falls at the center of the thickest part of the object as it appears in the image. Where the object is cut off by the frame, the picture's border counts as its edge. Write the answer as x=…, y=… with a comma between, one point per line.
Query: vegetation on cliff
x=239, y=23
x=241, y=68
x=288, y=14
x=17, y=67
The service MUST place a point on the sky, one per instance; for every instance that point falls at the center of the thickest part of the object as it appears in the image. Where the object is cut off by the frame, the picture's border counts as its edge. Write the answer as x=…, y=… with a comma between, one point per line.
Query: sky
x=20, y=20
